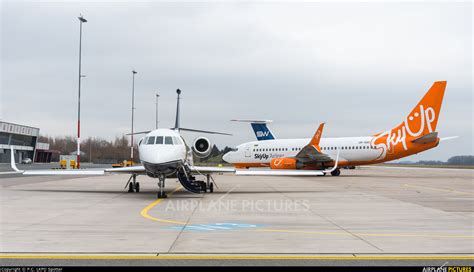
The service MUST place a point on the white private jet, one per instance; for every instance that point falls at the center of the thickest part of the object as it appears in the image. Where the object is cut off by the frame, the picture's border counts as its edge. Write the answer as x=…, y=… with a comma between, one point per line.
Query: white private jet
x=163, y=153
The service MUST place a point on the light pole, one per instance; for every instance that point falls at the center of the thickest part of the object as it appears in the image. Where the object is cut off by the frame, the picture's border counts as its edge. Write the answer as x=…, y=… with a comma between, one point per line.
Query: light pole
x=157, y=95
x=133, y=108
x=78, y=158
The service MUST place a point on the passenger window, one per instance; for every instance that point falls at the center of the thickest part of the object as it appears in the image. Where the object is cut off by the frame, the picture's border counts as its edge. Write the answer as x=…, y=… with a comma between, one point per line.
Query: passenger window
x=168, y=140
x=159, y=140
x=151, y=140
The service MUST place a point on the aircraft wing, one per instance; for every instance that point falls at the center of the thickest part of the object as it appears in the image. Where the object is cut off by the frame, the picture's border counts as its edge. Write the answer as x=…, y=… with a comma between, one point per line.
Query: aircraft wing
x=72, y=172
x=287, y=173
x=209, y=170
x=139, y=169
x=311, y=153
x=86, y=172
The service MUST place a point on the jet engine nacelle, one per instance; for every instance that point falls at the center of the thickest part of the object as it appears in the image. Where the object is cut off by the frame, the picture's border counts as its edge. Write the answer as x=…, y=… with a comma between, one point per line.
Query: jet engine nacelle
x=285, y=163
x=202, y=147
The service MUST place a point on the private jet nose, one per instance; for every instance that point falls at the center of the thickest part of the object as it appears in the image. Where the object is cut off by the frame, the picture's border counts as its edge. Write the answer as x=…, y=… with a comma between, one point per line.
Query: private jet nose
x=161, y=147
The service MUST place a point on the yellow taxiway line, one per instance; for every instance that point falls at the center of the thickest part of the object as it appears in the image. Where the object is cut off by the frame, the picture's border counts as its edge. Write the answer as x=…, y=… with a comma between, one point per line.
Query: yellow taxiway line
x=439, y=190
x=145, y=214
x=242, y=257
x=371, y=234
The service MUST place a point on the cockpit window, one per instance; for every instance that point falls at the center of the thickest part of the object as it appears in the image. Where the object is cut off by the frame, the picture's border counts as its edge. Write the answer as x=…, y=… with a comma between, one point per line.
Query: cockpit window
x=175, y=140
x=151, y=140
x=168, y=140
x=159, y=140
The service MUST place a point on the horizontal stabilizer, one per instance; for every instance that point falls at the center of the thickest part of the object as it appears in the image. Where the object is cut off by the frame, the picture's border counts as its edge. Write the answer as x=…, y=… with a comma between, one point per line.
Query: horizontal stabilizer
x=205, y=131
x=252, y=121
x=141, y=132
x=448, y=138
x=427, y=138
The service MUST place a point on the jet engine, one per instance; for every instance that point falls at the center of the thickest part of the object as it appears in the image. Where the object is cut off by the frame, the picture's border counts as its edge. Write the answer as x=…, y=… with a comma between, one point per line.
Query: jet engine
x=285, y=163
x=202, y=147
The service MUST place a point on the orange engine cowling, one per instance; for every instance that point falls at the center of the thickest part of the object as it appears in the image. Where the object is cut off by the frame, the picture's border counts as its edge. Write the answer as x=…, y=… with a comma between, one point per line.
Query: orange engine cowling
x=283, y=163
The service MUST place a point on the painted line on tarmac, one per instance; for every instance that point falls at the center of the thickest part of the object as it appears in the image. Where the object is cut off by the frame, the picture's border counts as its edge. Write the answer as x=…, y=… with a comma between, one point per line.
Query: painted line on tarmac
x=418, y=168
x=439, y=189
x=241, y=257
x=9, y=173
x=145, y=214
x=369, y=234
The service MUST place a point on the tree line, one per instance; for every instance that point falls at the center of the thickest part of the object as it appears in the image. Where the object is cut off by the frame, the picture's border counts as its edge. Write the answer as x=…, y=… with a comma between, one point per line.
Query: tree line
x=98, y=150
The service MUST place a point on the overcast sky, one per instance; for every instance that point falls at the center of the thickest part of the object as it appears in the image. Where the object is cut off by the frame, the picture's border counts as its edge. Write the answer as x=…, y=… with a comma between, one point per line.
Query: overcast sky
x=360, y=67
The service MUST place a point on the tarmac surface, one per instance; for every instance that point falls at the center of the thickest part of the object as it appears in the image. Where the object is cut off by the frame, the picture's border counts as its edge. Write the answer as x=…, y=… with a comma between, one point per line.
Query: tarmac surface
x=367, y=216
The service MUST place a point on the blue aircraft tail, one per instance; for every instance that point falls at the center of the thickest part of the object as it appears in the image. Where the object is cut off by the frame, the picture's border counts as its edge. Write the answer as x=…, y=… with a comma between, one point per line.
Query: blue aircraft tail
x=262, y=132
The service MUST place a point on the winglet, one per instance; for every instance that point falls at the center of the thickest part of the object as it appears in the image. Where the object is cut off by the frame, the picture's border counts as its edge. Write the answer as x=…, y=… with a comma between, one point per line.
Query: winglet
x=335, y=164
x=12, y=160
x=317, y=137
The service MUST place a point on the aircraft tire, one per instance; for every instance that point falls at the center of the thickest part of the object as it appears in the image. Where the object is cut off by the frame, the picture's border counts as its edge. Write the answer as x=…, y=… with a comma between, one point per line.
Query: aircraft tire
x=336, y=172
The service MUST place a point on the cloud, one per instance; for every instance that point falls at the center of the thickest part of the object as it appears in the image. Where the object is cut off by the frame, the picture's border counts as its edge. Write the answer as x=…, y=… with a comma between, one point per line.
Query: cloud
x=358, y=66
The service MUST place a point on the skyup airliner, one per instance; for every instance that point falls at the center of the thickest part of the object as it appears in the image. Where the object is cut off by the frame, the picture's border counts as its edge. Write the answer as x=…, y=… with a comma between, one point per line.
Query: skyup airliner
x=313, y=157
x=163, y=154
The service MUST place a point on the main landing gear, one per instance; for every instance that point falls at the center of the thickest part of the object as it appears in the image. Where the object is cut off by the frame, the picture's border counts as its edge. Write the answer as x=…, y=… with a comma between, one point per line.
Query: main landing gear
x=133, y=186
x=209, y=184
x=336, y=172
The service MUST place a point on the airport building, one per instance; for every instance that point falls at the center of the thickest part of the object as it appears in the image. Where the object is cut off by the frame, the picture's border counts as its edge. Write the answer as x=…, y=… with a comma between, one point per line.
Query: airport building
x=22, y=138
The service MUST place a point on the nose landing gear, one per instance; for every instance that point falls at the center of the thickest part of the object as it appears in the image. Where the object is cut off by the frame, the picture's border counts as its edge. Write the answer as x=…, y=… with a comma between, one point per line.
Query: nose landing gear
x=161, y=185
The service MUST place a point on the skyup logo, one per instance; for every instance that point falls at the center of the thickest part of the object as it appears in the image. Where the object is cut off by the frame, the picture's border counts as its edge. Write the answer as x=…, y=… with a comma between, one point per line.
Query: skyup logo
x=262, y=133
x=261, y=156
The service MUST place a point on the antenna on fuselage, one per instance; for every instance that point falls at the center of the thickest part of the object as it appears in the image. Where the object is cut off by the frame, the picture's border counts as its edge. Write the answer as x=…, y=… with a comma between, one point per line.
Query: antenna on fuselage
x=176, y=123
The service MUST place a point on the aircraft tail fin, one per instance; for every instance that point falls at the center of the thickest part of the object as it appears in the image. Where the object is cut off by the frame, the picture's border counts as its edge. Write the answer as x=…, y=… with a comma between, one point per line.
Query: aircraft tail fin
x=423, y=118
x=262, y=132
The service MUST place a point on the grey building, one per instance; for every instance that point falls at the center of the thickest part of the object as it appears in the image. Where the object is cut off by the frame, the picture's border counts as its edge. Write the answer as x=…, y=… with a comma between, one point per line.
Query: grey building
x=22, y=138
